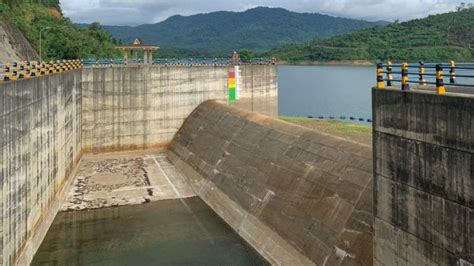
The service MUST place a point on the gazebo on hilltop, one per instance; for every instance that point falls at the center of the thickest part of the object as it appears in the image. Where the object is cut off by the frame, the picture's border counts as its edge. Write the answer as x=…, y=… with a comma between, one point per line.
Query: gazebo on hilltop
x=136, y=46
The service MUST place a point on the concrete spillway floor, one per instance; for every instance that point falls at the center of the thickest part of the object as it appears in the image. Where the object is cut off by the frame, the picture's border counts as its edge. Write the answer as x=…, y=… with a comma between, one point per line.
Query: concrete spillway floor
x=118, y=179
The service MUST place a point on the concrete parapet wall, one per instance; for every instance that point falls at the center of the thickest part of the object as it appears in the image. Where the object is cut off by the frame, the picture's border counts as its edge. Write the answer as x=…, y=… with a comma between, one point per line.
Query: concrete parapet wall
x=298, y=196
x=424, y=178
x=40, y=144
x=139, y=107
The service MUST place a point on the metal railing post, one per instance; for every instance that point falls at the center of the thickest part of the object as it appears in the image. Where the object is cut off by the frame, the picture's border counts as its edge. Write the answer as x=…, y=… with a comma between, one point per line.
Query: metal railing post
x=389, y=73
x=405, y=79
x=452, y=72
x=380, y=83
x=422, y=74
x=440, y=89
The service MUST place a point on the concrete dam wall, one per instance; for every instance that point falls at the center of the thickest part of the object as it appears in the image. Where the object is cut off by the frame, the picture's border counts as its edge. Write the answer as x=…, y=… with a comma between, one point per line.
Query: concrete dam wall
x=143, y=107
x=40, y=123
x=424, y=178
x=298, y=196
x=48, y=122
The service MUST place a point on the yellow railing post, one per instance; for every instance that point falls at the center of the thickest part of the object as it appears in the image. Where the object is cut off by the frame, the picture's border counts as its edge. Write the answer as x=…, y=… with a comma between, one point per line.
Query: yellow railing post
x=405, y=79
x=440, y=89
x=389, y=73
x=14, y=75
x=422, y=74
x=380, y=83
x=8, y=76
x=452, y=72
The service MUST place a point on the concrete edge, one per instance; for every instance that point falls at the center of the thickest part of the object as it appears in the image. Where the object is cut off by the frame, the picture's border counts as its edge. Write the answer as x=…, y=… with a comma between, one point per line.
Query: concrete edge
x=451, y=91
x=262, y=238
x=124, y=148
x=39, y=232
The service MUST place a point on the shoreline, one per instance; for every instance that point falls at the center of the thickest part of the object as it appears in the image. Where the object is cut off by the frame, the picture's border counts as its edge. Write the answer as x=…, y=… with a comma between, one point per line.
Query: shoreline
x=351, y=130
x=328, y=63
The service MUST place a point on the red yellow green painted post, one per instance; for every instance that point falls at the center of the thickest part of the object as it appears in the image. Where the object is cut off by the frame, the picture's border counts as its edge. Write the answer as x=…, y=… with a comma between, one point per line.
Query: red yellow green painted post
x=232, y=90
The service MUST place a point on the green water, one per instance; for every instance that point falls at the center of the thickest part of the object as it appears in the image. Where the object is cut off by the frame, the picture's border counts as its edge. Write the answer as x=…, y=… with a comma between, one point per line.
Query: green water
x=173, y=232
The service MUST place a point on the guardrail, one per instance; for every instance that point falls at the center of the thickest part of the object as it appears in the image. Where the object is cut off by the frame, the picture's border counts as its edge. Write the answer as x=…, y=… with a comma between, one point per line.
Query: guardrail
x=195, y=61
x=26, y=70
x=427, y=74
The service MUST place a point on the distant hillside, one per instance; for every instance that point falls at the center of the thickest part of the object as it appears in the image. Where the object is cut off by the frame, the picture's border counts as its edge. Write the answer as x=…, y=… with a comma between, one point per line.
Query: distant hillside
x=257, y=29
x=435, y=38
x=62, y=40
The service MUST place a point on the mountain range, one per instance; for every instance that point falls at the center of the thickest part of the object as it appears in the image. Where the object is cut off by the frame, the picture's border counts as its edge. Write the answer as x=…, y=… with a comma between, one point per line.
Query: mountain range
x=258, y=29
x=436, y=38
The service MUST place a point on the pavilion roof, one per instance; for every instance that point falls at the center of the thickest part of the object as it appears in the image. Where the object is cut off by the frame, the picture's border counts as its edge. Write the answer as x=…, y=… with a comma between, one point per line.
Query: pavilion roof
x=138, y=44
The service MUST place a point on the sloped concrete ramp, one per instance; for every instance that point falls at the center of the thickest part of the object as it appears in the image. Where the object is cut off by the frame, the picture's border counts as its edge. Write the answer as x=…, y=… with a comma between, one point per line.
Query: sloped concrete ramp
x=298, y=196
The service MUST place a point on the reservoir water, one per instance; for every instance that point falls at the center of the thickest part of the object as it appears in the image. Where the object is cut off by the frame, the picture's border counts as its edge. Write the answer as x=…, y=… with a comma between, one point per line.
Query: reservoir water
x=335, y=90
x=170, y=232
x=325, y=91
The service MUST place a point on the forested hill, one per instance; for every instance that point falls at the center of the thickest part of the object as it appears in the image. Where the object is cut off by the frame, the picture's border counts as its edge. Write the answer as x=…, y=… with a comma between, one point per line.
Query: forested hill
x=62, y=39
x=435, y=38
x=258, y=29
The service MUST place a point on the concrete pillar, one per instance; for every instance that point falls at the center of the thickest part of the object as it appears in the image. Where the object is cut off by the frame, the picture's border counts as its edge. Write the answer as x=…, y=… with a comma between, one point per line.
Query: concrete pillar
x=125, y=56
x=150, y=57
x=145, y=57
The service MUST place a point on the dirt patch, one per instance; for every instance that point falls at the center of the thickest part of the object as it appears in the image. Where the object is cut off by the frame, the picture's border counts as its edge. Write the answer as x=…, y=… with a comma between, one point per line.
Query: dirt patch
x=54, y=12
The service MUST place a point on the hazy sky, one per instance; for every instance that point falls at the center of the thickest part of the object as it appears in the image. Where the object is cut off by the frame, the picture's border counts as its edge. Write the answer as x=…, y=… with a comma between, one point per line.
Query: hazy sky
x=135, y=12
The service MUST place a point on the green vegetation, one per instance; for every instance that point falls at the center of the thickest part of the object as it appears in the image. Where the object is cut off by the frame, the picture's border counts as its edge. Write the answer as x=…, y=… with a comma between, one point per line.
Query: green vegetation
x=258, y=29
x=435, y=38
x=46, y=3
x=185, y=53
x=62, y=40
x=354, y=131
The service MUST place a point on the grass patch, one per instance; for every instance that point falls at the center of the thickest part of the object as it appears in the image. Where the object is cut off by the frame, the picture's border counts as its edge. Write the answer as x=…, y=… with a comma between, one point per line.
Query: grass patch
x=356, y=131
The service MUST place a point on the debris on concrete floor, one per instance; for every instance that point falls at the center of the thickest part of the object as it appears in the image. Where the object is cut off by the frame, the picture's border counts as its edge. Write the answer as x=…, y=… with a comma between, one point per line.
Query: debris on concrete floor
x=118, y=179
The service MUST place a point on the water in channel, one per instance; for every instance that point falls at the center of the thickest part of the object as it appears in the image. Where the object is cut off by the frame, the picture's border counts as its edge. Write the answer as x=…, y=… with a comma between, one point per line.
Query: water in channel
x=170, y=232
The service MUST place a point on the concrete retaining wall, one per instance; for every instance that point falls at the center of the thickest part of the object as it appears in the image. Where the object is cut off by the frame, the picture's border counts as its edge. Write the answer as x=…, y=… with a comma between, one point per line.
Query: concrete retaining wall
x=298, y=196
x=40, y=126
x=424, y=178
x=140, y=107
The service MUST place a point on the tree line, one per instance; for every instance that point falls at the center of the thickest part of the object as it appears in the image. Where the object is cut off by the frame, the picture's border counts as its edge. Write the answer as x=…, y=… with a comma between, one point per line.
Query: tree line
x=61, y=39
x=47, y=3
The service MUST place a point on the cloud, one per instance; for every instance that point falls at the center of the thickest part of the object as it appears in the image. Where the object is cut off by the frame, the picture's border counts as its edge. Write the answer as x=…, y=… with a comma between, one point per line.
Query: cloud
x=135, y=12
